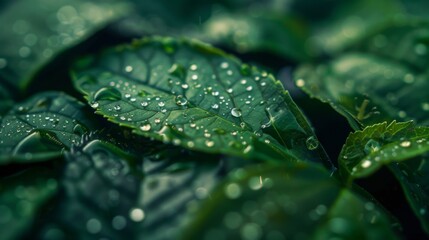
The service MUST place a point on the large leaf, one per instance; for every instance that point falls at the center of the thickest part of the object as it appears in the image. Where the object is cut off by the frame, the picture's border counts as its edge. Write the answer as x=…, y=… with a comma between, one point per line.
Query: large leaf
x=41, y=127
x=401, y=146
x=21, y=197
x=5, y=100
x=367, y=89
x=288, y=202
x=109, y=193
x=191, y=94
x=34, y=31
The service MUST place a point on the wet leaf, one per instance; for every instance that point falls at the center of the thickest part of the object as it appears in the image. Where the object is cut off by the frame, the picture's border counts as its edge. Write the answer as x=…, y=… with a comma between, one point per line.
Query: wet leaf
x=287, y=202
x=41, y=128
x=403, y=147
x=36, y=31
x=190, y=94
x=21, y=197
x=367, y=89
x=277, y=35
x=6, y=101
x=108, y=192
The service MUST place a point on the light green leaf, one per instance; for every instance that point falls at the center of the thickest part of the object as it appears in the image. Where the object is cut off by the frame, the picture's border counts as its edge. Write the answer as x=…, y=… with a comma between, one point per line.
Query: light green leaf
x=288, y=202
x=41, y=127
x=403, y=147
x=111, y=193
x=35, y=31
x=191, y=94
x=367, y=89
x=21, y=197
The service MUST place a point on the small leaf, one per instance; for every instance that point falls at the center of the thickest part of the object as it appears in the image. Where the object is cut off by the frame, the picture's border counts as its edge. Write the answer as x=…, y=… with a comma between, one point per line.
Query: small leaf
x=367, y=89
x=35, y=31
x=41, y=127
x=403, y=147
x=288, y=202
x=21, y=197
x=110, y=193
x=191, y=94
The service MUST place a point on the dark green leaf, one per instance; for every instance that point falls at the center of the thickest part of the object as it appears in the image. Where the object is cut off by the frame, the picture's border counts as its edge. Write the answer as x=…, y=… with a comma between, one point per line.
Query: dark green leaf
x=403, y=147
x=278, y=35
x=110, y=193
x=6, y=101
x=367, y=89
x=191, y=94
x=34, y=31
x=41, y=127
x=288, y=202
x=21, y=196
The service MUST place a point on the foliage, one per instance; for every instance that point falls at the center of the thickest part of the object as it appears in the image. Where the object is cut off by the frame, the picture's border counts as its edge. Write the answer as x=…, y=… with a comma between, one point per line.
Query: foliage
x=185, y=119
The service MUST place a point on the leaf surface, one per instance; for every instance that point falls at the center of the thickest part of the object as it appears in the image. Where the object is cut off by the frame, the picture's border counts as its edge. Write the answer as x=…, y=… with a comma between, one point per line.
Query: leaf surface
x=21, y=197
x=191, y=94
x=295, y=201
x=35, y=31
x=403, y=147
x=41, y=127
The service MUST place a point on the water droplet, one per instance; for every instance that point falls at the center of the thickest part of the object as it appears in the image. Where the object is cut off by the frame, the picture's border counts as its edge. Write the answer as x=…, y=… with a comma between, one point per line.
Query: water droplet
x=145, y=127
x=181, y=100
x=194, y=77
x=117, y=108
x=161, y=104
x=372, y=146
x=107, y=93
x=224, y=65
x=300, y=83
x=209, y=143
x=193, y=67
x=312, y=143
x=137, y=214
x=215, y=106
x=128, y=69
x=144, y=104
x=249, y=88
x=185, y=86
x=177, y=70
x=229, y=90
x=366, y=164
x=405, y=144
x=235, y=112
x=95, y=105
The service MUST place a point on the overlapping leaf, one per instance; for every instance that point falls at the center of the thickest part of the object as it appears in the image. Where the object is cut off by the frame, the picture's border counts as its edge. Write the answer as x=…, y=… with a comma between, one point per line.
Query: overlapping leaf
x=33, y=32
x=193, y=95
x=288, y=202
x=41, y=127
x=21, y=197
x=401, y=146
x=108, y=192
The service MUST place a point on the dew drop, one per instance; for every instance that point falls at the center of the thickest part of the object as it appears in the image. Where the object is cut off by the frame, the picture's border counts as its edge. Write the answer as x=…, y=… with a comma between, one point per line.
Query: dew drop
x=144, y=104
x=161, y=104
x=405, y=144
x=300, y=83
x=137, y=214
x=145, y=127
x=181, y=100
x=193, y=67
x=128, y=69
x=312, y=143
x=235, y=112
x=215, y=106
x=366, y=164
x=107, y=93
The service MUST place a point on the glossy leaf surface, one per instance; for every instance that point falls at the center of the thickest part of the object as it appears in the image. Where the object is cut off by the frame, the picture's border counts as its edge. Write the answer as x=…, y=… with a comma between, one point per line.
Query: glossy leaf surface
x=41, y=127
x=191, y=94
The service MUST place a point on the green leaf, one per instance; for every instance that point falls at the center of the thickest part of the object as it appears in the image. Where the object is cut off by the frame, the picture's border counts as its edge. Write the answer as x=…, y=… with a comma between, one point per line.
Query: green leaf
x=110, y=193
x=35, y=31
x=403, y=147
x=277, y=35
x=41, y=127
x=6, y=101
x=367, y=89
x=191, y=94
x=287, y=202
x=349, y=22
x=21, y=197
